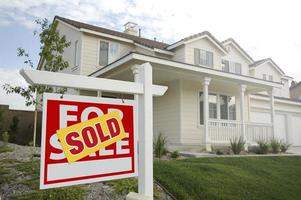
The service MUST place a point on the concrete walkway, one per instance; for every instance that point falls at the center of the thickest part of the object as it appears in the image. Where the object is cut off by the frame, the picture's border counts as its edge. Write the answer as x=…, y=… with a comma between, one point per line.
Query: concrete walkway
x=296, y=151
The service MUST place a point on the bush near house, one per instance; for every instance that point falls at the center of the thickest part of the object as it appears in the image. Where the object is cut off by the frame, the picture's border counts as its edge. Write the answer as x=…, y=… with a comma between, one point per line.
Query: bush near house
x=284, y=146
x=275, y=145
x=231, y=178
x=263, y=146
x=160, y=148
x=237, y=145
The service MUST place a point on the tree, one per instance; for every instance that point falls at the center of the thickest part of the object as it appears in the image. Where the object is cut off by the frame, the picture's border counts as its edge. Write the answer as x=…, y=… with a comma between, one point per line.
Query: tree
x=52, y=46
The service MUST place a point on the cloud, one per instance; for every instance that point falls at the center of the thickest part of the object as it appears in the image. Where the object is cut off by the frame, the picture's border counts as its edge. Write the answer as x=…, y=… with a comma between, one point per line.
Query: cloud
x=12, y=76
x=264, y=28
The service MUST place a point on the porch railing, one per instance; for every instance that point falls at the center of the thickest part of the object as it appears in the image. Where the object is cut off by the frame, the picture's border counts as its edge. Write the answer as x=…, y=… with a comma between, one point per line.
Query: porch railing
x=222, y=131
x=258, y=131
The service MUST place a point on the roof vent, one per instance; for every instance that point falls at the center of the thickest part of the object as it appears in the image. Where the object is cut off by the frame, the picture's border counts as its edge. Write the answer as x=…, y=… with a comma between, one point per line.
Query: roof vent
x=131, y=28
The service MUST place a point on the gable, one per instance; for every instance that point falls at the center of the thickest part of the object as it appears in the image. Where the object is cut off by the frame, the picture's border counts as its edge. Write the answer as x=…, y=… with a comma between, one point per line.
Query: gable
x=269, y=69
x=206, y=44
x=236, y=55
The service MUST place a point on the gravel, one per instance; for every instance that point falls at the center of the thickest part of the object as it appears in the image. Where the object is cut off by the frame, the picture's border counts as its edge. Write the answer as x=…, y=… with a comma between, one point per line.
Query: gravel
x=97, y=191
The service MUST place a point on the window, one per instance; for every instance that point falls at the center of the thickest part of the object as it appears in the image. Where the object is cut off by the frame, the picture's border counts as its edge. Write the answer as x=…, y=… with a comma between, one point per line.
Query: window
x=226, y=104
x=232, y=67
x=202, y=57
x=270, y=78
x=264, y=76
x=103, y=53
x=108, y=52
x=76, y=53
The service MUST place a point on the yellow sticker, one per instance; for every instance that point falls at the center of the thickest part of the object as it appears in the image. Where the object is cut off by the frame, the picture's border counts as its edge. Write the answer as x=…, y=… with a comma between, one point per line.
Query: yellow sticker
x=82, y=139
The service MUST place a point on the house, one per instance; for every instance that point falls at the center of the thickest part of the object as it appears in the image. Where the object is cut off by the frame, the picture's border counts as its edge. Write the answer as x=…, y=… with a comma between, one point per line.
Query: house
x=295, y=90
x=216, y=91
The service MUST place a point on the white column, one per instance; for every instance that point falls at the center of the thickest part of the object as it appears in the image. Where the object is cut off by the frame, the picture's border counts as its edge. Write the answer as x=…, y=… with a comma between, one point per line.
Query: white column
x=135, y=73
x=242, y=111
x=272, y=102
x=145, y=131
x=206, y=83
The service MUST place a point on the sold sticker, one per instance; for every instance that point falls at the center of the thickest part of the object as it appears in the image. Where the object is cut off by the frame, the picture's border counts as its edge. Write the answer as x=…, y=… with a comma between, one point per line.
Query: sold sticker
x=82, y=139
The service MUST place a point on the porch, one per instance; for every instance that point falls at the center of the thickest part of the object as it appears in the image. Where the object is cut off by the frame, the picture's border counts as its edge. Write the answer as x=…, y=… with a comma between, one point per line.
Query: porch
x=186, y=121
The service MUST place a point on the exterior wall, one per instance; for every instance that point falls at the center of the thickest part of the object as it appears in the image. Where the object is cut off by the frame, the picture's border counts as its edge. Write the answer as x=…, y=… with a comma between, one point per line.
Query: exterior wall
x=235, y=56
x=179, y=54
x=72, y=35
x=268, y=69
x=167, y=113
x=205, y=44
x=90, y=52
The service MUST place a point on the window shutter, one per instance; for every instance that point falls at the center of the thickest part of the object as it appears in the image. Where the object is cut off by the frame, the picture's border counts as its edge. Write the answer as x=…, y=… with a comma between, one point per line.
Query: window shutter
x=103, y=53
x=237, y=68
x=209, y=58
x=196, y=56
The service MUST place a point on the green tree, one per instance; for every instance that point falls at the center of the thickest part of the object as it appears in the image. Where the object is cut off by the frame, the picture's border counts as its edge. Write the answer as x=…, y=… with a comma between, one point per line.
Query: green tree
x=52, y=46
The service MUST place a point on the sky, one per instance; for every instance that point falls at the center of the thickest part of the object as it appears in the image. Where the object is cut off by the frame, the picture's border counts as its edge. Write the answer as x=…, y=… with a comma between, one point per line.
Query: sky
x=263, y=28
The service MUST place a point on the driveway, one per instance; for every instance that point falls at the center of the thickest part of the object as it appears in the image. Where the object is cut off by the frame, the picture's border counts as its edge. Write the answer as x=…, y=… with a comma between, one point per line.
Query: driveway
x=295, y=150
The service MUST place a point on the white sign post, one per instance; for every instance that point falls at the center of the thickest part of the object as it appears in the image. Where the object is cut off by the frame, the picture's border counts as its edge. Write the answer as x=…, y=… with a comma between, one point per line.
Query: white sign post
x=144, y=91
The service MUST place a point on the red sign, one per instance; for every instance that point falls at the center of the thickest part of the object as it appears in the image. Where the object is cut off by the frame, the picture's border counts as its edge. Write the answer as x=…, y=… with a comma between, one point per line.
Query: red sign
x=69, y=116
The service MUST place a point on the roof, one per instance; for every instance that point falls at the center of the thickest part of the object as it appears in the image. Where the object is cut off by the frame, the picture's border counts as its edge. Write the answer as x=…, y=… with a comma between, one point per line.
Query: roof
x=195, y=36
x=139, y=40
x=239, y=47
x=296, y=85
x=262, y=61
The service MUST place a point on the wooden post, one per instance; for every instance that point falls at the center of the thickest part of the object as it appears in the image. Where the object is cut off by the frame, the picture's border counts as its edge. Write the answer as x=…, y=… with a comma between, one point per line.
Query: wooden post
x=145, y=130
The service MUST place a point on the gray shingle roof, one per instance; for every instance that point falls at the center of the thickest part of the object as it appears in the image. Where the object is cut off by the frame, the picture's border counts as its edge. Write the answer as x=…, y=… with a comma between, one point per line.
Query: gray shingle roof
x=139, y=40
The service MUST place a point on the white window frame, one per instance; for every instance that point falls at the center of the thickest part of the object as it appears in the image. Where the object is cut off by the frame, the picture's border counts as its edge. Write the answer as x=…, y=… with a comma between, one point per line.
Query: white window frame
x=231, y=66
x=207, y=61
x=110, y=58
x=264, y=76
x=218, y=94
x=271, y=78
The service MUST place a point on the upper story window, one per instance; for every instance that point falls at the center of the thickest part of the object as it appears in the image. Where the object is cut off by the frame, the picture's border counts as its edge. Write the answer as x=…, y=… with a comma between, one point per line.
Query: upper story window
x=270, y=78
x=76, y=53
x=232, y=67
x=264, y=76
x=203, y=57
x=108, y=52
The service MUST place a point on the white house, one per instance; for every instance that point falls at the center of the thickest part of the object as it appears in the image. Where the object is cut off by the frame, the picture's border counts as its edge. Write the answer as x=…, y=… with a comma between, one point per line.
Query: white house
x=216, y=91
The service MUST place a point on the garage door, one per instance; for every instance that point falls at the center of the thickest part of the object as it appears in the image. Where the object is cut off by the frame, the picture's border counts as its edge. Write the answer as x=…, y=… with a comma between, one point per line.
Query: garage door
x=260, y=117
x=296, y=130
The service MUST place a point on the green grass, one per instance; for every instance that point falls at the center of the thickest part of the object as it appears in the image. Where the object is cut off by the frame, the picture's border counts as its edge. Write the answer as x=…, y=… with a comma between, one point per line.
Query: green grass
x=232, y=178
x=4, y=148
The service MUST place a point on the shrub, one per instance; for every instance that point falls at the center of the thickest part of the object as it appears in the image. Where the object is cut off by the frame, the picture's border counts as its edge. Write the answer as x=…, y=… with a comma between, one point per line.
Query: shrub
x=219, y=152
x=160, y=146
x=237, y=145
x=275, y=145
x=5, y=137
x=174, y=154
x=263, y=146
x=284, y=146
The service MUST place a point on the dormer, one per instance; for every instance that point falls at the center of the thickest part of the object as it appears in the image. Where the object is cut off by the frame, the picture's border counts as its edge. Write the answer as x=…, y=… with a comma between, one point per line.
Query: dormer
x=201, y=49
x=237, y=60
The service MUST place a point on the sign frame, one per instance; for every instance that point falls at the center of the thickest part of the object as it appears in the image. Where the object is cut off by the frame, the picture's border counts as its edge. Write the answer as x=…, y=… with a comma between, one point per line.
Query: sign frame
x=87, y=99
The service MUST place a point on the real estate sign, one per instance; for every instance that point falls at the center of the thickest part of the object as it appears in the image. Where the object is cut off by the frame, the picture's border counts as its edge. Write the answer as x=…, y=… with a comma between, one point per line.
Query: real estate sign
x=87, y=139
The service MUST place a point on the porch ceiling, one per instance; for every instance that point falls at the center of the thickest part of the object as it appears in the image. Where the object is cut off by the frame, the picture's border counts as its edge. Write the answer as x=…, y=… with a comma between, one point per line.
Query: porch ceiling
x=165, y=71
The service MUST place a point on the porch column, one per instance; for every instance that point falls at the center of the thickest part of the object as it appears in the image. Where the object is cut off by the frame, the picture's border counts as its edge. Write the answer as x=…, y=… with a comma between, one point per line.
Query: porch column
x=272, y=102
x=136, y=75
x=206, y=83
x=242, y=111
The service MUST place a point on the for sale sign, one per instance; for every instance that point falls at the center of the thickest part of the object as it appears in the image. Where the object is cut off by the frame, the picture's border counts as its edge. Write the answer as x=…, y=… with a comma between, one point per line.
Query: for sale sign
x=87, y=139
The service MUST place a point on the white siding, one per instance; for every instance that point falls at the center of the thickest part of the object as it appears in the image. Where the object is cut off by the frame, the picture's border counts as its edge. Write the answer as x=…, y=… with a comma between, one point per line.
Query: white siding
x=204, y=44
x=192, y=131
x=179, y=54
x=72, y=35
x=234, y=55
x=167, y=113
x=90, y=52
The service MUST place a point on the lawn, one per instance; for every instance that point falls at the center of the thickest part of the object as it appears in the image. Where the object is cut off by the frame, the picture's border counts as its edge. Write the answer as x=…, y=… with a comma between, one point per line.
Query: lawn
x=232, y=178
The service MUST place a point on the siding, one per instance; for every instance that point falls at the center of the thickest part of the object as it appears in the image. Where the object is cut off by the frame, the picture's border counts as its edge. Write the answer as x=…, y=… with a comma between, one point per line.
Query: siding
x=235, y=56
x=205, y=44
x=191, y=130
x=167, y=113
x=72, y=35
x=90, y=52
x=179, y=54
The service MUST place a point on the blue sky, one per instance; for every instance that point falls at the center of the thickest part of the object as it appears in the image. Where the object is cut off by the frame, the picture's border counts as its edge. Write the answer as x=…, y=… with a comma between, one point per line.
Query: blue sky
x=269, y=28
